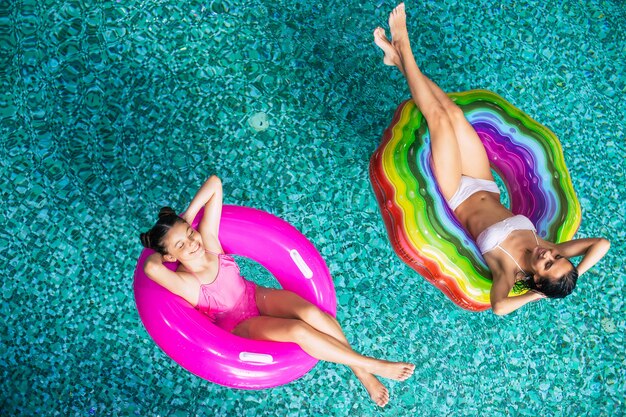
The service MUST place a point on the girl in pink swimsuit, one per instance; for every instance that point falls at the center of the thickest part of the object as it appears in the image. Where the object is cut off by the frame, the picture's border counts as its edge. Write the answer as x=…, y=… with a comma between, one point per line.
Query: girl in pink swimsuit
x=210, y=280
x=509, y=243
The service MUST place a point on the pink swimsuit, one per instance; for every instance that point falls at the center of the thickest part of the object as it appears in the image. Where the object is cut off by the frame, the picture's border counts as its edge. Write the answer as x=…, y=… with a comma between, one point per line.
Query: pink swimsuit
x=230, y=298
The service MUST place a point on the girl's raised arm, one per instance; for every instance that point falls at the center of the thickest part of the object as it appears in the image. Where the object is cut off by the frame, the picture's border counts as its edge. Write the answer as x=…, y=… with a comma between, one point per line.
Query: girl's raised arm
x=159, y=273
x=210, y=197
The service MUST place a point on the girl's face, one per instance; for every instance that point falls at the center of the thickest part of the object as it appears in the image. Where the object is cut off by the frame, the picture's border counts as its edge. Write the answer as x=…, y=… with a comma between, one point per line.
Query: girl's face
x=549, y=263
x=183, y=243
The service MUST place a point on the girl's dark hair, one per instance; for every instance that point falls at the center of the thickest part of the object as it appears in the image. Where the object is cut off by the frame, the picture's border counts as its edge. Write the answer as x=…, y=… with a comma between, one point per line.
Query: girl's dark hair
x=553, y=288
x=153, y=238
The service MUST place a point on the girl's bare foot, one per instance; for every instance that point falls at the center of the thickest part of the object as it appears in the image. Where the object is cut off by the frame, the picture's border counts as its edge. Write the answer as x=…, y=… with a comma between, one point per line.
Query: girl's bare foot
x=391, y=55
x=398, y=371
x=376, y=390
x=397, y=26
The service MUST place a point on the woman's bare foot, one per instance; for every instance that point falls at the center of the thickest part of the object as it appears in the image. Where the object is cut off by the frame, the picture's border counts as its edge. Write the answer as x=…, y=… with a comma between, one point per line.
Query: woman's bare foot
x=391, y=55
x=376, y=390
x=397, y=26
x=398, y=371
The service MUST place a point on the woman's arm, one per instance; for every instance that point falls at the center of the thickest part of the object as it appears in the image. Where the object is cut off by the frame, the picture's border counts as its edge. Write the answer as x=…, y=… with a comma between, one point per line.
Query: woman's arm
x=502, y=304
x=210, y=197
x=591, y=249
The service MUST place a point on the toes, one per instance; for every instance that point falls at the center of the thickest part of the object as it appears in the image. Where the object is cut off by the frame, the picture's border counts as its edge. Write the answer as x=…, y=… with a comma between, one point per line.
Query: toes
x=407, y=372
x=379, y=33
x=383, y=398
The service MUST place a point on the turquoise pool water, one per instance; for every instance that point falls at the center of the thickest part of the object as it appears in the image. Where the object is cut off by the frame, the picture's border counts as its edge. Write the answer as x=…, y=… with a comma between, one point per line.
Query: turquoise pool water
x=109, y=110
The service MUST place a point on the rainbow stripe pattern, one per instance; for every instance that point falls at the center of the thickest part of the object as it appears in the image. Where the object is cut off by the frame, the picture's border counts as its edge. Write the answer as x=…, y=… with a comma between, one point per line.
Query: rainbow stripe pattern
x=424, y=232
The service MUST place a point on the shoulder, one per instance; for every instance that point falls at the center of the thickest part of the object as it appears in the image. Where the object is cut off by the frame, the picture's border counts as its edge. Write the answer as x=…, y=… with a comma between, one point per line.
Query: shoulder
x=496, y=264
x=502, y=275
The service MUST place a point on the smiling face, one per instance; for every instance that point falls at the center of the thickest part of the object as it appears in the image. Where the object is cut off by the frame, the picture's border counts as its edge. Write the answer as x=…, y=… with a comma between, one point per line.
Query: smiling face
x=549, y=264
x=183, y=243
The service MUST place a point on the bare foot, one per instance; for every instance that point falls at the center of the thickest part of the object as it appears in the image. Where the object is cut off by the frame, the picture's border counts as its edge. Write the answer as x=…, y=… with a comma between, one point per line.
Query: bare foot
x=377, y=391
x=398, y=371
x=391, y=55
x=397, y=26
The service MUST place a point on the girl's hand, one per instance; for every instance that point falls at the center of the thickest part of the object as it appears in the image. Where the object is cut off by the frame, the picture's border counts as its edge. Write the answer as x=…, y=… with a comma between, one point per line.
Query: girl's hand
x=155, y=259
x=156, y=271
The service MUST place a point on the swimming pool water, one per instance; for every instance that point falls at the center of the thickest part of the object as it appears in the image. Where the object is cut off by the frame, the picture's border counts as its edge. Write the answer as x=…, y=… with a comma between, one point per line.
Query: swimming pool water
x=109, y=110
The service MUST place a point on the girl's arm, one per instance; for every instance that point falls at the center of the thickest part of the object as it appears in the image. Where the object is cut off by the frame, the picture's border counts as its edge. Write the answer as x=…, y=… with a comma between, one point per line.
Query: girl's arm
x=159, y=273
x=591, y=249
x=208, y=196
x=502, y=304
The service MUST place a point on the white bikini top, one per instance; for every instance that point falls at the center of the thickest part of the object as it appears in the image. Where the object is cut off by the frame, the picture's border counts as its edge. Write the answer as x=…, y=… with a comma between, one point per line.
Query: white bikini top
x=494, y=235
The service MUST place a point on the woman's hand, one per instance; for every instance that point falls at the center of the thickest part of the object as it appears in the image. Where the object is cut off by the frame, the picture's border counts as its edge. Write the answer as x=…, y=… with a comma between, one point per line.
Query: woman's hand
x=154, y=259
x=501, y=303
x=539, y=294
x=507, y=304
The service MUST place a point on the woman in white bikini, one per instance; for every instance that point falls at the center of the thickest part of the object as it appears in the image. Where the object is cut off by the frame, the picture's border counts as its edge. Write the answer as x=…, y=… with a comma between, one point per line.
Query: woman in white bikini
x=509, y=243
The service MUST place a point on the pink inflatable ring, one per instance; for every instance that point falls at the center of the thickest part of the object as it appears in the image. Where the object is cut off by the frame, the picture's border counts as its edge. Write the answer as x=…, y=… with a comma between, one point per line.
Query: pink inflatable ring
x=196, y=344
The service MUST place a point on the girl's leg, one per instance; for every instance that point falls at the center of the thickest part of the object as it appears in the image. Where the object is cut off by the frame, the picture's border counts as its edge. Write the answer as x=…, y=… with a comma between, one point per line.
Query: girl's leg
x=319, y=345
x=287, y=305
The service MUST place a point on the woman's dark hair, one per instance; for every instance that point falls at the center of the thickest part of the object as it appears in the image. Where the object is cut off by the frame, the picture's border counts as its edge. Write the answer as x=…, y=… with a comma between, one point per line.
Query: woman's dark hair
x=553, y=288
x=153, y=238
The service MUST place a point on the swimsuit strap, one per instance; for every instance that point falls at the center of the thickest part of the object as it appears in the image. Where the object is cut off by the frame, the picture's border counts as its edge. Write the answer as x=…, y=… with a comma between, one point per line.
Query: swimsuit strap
x=511, y=256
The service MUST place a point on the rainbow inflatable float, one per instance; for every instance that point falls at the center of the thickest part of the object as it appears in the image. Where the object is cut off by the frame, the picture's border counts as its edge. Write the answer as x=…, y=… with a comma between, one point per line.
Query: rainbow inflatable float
x=422, y=229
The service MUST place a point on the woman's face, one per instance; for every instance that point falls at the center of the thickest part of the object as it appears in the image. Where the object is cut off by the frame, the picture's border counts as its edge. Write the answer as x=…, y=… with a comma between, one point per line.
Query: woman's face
x=548, y=263
x=183, y=243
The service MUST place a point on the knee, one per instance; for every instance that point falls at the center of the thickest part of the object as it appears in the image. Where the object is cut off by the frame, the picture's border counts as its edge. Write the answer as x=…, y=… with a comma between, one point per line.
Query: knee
x=454, y=112
x=436, y=115
x=311, y=314
x=298, y=330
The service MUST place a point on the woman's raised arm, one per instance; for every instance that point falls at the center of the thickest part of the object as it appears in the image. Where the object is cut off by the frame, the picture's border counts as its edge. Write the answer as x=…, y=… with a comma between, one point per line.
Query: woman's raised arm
x=592, y=250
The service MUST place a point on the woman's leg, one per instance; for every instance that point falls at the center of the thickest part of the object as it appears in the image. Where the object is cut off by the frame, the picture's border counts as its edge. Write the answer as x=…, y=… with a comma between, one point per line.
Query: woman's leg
x=474, y=160
x=471, y=152
x=446, y=155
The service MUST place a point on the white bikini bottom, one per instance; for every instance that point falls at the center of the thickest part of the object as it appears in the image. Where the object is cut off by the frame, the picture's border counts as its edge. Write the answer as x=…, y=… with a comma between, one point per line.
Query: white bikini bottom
x=468, y=187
